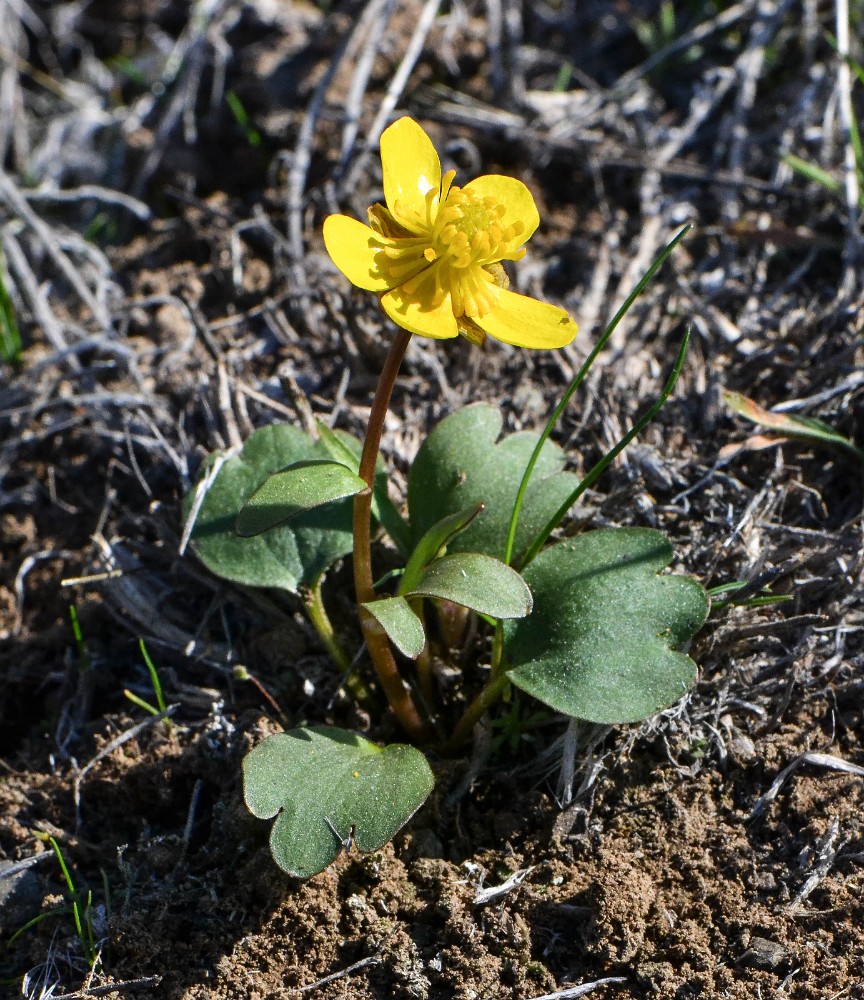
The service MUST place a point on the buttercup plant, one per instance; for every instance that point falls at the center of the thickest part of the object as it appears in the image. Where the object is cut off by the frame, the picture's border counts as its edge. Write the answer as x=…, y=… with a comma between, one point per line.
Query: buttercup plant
x=590, y=626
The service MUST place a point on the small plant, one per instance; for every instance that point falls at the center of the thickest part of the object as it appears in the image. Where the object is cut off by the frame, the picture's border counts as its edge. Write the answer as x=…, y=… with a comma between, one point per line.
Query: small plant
x=785, y=427
x=590, y=626
x=160, y=707
x=82, y=910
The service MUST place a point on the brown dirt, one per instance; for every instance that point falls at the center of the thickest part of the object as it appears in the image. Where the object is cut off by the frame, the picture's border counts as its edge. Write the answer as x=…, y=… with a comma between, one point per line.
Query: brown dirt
x=654, y=873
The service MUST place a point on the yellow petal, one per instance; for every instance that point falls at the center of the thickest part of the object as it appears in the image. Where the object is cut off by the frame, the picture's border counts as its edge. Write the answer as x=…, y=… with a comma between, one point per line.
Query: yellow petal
x=411, y=170
x=525, y=322
x=517, y=201
x=417, y=314
x=353, y=248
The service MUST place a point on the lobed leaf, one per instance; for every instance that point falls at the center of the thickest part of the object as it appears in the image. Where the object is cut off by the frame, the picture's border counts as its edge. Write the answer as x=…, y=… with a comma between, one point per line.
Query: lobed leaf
x=325, y=783
x=462, y=464
x=289, y=556
x=601, y=642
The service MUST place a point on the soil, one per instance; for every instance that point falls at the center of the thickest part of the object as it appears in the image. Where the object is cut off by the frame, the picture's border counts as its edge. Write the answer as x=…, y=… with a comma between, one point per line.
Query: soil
x=713, y=851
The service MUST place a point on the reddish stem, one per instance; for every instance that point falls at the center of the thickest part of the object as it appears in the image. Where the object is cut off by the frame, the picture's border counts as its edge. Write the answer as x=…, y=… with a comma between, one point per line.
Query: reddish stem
x=376, y=638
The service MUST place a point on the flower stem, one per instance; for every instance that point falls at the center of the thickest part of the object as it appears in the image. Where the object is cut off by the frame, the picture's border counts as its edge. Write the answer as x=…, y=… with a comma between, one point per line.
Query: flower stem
x=376, y=638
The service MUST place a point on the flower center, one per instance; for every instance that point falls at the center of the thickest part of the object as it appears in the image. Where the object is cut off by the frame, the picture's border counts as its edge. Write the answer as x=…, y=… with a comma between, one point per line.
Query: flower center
x=468, y=230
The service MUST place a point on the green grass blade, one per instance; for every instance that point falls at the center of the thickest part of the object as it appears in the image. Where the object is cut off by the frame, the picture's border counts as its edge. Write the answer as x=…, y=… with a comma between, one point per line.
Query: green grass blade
x=10, y=336
x=154, y=677
x=609, y=457
x=811, y=172
x=60, y=911
x=577, y=381
x=140, y=702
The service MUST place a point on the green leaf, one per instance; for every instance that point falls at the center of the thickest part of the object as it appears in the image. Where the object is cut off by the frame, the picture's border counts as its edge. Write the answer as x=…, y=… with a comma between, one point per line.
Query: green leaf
x=290, y=555
x=289, y=492
x=460, y=465
x=323, y=779
x=403, y=627
x=435, y=539
x=601, y=642
x=478, y=582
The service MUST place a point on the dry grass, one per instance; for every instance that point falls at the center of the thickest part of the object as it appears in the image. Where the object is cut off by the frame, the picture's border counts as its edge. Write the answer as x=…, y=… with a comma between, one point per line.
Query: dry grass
x=168, y=276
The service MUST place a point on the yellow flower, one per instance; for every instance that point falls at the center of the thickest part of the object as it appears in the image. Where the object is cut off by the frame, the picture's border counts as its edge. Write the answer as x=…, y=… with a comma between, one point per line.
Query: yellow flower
x=434, y=252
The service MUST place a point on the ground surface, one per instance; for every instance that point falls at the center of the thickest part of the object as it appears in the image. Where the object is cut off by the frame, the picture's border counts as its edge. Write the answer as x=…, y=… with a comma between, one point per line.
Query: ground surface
x=160, y=328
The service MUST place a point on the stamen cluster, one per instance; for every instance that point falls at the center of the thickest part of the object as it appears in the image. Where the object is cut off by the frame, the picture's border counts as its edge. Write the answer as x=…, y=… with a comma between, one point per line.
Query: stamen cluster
x=465, y=236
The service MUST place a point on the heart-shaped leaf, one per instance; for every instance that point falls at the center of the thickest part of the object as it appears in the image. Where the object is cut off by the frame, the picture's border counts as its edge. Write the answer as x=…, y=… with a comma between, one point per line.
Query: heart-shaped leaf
x=460, y=465
x=290, y=555
x=478, y=582
x=403, y=627
x=302, y=486
x=328, y=785
x=600, y=643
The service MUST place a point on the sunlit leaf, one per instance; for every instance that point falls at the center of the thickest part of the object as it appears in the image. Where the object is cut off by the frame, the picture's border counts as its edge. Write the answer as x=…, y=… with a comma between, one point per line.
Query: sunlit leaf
x=300, y=487
x=478, y=582
x=602, y=641
x=403, y=627
x=435, y=539
x=330, y=787
x=462, y=463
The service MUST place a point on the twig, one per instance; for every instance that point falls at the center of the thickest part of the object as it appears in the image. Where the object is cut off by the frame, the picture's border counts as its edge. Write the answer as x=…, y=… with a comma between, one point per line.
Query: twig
x=826, y=852
x=359, y=83
x=188, y=51
x=850, y=167
x=682, y=42
x=18, y=203
x=201, y=490
x=848, y=384
x=397, y=85
x=303, y=150
x=91, y=192
x=819, y=759
x=33, y=293
x=494, y=33
x=349, y=971
x=580, y=991
x=749, y=66
x=20, y=866
x=195, y=798
x=104, y=991
x=515, y=37
x=485, y=895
